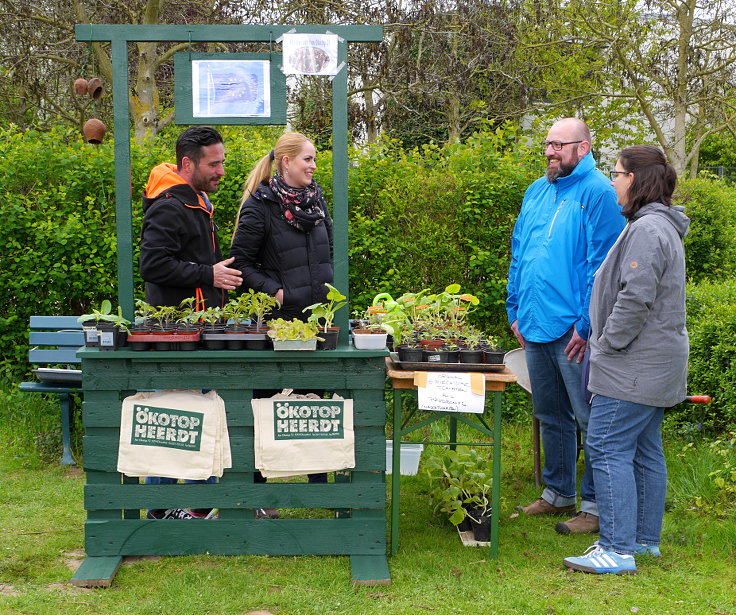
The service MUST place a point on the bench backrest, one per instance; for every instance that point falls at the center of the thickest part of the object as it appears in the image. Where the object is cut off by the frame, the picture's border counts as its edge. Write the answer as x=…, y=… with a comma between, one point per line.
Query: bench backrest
x=54, y=339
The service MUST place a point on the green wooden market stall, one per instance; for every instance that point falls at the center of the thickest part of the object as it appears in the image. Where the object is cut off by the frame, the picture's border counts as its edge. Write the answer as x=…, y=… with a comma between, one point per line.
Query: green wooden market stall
x=114, y=527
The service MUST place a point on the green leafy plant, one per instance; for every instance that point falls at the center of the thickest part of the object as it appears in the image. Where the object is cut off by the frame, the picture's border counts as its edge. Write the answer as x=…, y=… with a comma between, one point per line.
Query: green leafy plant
x=105, y=314
x=212, y=315
x=260, y=305
x=462, y=484
x=186, y=314
x=326, y=311
x=282, y=330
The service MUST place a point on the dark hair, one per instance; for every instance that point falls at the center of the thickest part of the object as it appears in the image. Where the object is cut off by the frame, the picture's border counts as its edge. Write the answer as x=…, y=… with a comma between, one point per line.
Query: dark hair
x=654, y=178
x=192, y=140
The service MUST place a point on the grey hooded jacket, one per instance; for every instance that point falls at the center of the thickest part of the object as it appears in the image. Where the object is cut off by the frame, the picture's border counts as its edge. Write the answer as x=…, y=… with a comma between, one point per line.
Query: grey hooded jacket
x=638, y=342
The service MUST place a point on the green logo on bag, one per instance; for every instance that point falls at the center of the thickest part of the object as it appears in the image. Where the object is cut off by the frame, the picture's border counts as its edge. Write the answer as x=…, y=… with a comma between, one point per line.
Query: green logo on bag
x=166, y=427
x=307, y=419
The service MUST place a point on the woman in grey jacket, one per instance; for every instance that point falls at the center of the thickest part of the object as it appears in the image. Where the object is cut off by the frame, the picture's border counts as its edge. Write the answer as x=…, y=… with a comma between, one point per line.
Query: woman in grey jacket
x=638, y=362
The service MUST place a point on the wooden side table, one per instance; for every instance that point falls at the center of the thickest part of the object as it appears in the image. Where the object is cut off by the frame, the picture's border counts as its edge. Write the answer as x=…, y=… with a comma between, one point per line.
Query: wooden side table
x=403, y=380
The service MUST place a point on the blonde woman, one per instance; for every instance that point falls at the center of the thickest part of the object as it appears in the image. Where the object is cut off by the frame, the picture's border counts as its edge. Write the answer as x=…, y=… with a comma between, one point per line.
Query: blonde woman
x=283, y=233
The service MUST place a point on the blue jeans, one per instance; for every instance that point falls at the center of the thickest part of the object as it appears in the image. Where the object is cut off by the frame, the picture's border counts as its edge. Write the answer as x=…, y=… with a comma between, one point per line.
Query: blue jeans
x=560, y=407
x=630, y=473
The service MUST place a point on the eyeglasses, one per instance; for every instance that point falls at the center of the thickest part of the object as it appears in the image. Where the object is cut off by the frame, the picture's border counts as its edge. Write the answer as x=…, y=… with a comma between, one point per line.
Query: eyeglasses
x=557, y=145
x=613, y=174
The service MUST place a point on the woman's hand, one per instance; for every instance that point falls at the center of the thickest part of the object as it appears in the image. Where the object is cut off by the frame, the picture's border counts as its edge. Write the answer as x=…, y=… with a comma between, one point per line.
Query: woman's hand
x=279, y=296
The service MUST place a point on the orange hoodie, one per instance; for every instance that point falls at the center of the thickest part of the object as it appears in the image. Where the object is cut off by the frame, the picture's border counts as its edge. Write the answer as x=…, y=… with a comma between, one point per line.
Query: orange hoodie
x=162, y=178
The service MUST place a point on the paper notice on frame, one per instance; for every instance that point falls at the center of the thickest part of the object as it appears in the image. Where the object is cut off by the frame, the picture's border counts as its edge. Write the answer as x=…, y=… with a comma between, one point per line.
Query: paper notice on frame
x=451, y=391
x=310, y=54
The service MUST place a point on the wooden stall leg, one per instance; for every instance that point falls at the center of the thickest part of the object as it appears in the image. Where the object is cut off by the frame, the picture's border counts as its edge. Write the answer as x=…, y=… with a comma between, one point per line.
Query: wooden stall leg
x=97, y=571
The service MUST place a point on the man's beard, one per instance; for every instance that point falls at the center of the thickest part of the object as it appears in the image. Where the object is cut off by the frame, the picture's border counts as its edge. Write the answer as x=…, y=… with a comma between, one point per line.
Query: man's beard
x=563, y=170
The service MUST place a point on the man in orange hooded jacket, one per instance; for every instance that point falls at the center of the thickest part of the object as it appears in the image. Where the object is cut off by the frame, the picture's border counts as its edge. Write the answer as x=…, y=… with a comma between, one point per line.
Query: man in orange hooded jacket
x=180, y=251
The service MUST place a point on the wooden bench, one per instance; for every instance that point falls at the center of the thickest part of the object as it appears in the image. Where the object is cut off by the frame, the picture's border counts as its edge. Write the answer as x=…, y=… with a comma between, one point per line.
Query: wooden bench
x=54, y=341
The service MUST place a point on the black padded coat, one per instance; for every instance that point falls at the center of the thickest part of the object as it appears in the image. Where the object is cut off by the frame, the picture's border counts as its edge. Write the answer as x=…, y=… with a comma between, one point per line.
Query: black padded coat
x=272, y=254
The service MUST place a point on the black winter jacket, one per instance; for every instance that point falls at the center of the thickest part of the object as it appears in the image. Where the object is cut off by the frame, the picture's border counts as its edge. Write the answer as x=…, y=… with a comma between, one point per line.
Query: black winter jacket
x=179, y=242
x=272, y=254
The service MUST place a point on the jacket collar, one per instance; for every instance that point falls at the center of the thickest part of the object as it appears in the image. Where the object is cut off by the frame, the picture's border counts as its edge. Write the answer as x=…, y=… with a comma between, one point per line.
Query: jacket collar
x=585, y=166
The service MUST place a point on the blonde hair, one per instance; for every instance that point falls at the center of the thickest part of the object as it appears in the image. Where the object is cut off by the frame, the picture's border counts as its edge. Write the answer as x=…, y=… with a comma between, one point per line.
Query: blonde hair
x=289, y=144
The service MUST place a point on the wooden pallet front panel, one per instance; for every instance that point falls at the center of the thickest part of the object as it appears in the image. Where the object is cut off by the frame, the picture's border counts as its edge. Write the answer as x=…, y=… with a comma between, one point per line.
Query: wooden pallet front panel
x=116, y=503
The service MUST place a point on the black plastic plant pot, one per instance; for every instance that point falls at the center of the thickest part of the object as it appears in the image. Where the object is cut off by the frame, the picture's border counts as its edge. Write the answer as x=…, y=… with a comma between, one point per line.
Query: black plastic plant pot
x=482, y=529
x=212, y=338
x=434, y=356
x=452, y=356
x=187, y=345
x=330, y=339
x=470, y=356
x=139, y=330
x=410, y=355
x=494, y=356
x=466, y=525
x=91, y=336
x=108, y=336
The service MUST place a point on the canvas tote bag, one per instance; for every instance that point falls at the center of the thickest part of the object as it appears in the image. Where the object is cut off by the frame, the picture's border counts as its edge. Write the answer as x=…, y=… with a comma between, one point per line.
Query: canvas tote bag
x=300, y=434
x=175, y=434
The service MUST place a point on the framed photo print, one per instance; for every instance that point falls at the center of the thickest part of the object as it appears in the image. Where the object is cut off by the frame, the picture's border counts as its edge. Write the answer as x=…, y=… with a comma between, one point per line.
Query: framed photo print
x=229, y=88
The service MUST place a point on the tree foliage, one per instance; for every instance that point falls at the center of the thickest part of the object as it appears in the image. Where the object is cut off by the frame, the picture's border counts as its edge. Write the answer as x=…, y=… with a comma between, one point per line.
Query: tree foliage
x=667, y=63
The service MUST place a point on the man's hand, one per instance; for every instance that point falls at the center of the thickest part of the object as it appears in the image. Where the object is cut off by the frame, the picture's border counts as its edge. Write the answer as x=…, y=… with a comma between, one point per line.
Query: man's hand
x=576, y=346
x=519, y=336
x=280, y=296
x=224, y=277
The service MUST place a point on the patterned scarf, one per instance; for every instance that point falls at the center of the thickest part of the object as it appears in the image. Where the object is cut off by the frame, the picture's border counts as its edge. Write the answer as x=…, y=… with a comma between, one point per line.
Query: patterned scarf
x=303, y=208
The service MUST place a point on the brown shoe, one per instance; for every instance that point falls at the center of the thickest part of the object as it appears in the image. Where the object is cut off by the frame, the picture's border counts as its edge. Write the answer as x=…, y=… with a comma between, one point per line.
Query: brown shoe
x=543, y=507
x=582, y=523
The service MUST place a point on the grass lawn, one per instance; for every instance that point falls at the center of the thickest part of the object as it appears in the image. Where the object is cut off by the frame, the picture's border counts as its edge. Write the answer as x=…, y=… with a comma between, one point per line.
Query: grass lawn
x=41, y=521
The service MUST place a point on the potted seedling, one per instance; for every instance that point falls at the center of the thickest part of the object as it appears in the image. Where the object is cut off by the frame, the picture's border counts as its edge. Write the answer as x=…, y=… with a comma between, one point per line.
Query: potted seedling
x=472, y=349
x=110, y=328
x=374, y=330
x=323, y=314
x=213, y=327
x=187, y=325
x=462, y=483
x=292, y=334
x=260, y=305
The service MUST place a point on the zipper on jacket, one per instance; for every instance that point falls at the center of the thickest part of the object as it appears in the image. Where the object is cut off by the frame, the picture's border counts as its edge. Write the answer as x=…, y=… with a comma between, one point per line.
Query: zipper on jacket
x=551, y=224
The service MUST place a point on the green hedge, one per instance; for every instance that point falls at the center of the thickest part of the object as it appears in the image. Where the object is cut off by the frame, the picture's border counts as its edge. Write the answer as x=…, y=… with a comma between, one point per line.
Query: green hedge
x=711, y=243
x=429, y=217
x=57, y=245
x=419, y=218
x=711, y=323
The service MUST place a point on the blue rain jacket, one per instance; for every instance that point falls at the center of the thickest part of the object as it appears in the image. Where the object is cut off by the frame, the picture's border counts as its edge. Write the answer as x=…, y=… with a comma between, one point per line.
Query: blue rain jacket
x=563, y=233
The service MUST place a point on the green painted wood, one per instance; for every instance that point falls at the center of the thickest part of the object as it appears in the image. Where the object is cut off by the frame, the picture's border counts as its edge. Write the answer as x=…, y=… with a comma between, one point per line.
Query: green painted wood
x=369, y=570
x=224, y=380
x=244, y=357
x=238, y=496
x=123, y=210
x=236, y=537
x=367, y=408
x=340, y=186
x=110, y=480
x=183, y=89
x=220, y=33
x=100, y=445
x=97, y=571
